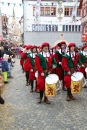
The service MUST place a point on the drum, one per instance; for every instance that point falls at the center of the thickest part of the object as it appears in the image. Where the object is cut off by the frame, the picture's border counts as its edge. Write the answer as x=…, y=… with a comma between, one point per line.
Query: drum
x=76, y=82
x=51, y=85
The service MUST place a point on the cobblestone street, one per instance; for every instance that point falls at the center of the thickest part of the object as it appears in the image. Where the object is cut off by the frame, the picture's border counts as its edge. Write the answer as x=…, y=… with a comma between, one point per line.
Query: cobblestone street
x=22, y=112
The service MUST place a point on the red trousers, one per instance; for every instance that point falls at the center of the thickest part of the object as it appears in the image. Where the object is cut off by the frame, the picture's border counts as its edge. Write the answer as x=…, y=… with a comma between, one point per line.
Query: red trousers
x=59, y=72
x=41, y=82
x=67, y=81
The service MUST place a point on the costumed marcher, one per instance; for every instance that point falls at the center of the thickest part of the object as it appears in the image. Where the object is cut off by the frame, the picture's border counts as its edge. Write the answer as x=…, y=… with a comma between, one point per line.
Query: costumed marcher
x=31, y=66
x=58, y=56
x=44, y=63
x=83, y=58
x=22, y=53
x=70, y=64
x=26, y=67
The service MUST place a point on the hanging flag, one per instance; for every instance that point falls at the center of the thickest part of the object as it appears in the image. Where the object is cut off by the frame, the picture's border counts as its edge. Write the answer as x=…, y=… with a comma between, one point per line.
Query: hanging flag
x=14, y=4
x=20, y=4
x=2, y=3
x=8, y=4
x=74, y=11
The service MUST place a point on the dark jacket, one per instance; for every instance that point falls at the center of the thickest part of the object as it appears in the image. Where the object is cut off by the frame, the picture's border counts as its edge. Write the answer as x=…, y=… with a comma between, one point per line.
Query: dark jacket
x=4, y=65
x=6, y=51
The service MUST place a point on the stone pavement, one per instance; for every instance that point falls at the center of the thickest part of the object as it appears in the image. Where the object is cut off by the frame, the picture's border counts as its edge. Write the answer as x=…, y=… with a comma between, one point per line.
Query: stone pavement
x=22, y=112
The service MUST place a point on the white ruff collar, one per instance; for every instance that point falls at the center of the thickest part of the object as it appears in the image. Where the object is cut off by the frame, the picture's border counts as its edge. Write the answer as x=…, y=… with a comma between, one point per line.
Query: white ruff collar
x=84, y=53
x=33, y=55
x=71, y=54
x=46, y=54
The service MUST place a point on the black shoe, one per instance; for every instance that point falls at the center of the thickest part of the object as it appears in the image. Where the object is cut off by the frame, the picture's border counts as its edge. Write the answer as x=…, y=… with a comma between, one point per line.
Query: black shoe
x=1, y=100
x=6, y=82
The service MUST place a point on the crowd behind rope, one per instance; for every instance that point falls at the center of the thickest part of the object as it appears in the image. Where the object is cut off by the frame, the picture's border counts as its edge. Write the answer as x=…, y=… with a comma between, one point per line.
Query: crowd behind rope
x=7, y=54
x=40, y=61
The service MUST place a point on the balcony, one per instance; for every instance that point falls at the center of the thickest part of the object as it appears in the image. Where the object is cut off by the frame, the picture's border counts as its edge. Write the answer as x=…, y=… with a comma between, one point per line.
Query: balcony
x=84, y=20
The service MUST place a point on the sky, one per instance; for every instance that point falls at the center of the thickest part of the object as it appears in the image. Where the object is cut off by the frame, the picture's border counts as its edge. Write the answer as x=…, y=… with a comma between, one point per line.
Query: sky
x=8, y=10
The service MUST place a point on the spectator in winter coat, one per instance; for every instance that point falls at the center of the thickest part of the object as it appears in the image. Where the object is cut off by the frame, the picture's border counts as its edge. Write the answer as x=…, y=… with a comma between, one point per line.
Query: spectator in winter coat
x=4, y=67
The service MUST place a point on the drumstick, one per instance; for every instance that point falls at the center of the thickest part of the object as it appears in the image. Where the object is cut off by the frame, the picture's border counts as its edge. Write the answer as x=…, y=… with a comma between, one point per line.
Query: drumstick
x=74, y=76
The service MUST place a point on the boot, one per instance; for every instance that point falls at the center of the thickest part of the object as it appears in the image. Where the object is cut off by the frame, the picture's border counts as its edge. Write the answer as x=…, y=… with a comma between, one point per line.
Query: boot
x=68, y=94
x=39, y=100
x=68, y=98
x=46, y=100
x=26, y=83
x=32, y=82
x=1, y=100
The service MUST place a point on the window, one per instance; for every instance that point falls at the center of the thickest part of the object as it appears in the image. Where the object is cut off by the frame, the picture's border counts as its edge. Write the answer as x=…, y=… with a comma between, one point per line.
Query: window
x=66, y=11
x=44, y=28
x=71, y=11
x=76, y=28
x=72, y=28
x=53, y=11
x=69, y=28
x=78, y=12
x=42, y=11
x=47, y=11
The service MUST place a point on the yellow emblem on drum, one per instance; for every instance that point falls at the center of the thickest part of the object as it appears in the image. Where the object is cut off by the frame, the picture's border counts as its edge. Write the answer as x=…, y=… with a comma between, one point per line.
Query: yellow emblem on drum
x=50, y=90
x=76, y=86
x=76, y=82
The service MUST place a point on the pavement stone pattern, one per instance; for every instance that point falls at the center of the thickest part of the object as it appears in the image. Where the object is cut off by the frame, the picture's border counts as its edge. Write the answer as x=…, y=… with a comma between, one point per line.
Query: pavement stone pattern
x=22, y=112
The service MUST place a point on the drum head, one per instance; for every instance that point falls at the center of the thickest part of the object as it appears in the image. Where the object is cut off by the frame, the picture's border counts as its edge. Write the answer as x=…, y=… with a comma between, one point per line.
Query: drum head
x=86, y=69
x=52, y=78
x=77, y=76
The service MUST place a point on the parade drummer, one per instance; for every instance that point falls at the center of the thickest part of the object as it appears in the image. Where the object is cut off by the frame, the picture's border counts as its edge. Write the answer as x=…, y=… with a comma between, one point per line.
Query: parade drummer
x=44, y=63
x=70, y=64
x=83, y=58
x=31, y=66
x=58, y=56
x=26, y=67
x=22, y=53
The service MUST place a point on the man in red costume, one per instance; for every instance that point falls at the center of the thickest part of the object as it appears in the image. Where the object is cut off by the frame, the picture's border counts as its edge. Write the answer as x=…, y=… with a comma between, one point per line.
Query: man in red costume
x=44, y=64
x=58, y=56
x=31, y=66
x=23, y=55
x=26, y=67
x=70, y=63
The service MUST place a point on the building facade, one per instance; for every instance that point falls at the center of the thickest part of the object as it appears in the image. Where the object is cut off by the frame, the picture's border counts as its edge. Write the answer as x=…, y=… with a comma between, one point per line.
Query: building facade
x=83, y=6
x=14, y=30
x=54, y=18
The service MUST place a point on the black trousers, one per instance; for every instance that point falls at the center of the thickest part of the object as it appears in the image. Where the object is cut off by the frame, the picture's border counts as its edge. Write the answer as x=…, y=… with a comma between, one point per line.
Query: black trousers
x=68, y=92
x=41, y=94
x=27, y=76
x=32, y=84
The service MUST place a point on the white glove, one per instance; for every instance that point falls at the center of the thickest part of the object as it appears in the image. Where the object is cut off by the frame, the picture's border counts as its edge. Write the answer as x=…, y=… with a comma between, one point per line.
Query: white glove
x=54, y=67
x=31, y=70
x=60, y=63
x=69, y=73
x=83, y=65
x=42, y=74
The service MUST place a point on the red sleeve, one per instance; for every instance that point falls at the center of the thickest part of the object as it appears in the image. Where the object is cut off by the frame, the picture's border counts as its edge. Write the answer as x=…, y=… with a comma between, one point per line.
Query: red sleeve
x=29, y=63
x=56, y=57
x=37, y=65
x=23, y=55
x=65, y=64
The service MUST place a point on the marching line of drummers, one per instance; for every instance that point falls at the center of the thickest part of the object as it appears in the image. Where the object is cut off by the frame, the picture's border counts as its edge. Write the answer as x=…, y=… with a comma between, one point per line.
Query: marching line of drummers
x=47, y=69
